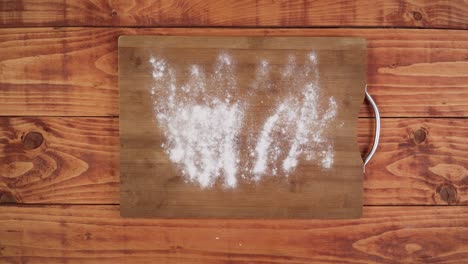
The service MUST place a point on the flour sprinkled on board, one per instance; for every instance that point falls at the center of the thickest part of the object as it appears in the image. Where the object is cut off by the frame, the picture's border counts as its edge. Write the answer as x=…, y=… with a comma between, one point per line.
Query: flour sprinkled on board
x=202, y=120
x=200, y=136
x=297, y=125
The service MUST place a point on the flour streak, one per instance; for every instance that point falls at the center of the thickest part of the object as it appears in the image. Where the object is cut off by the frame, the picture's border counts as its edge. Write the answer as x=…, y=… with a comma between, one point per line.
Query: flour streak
x=202, y=128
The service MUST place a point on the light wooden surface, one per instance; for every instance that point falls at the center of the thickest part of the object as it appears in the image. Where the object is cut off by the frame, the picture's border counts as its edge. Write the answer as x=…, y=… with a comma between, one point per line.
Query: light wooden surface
x=154, y=186
x=236, y=13
x=73, y=71
x=97, y=234
x=420, y=161
x=52, y=75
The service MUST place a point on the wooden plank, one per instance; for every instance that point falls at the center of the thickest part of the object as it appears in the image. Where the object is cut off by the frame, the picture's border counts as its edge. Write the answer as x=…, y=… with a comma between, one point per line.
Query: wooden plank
x=97, y=234
x=228, y=92
x=59, y=160
x=419, y=161
x=73, y=71
x=236, y=13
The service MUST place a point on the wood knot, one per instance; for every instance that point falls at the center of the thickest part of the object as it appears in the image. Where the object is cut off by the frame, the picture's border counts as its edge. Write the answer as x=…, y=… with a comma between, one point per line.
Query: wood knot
x=33, y=140
x=420, y=135
x=448, y=193
x=417, y=15
x=87, y=236
x=113, y=13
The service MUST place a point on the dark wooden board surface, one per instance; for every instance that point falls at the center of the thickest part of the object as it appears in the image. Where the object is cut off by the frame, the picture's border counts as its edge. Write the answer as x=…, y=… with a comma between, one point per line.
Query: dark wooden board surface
x=232, y=89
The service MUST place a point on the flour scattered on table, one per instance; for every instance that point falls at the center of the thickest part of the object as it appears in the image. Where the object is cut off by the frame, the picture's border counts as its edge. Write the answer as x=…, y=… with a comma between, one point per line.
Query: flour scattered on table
x=296, y=128
x=262, y=76
x=200, y=136
x=202, y=127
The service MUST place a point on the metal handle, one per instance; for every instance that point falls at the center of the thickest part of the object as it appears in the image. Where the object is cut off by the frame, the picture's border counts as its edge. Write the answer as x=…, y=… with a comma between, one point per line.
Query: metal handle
x=377, y=129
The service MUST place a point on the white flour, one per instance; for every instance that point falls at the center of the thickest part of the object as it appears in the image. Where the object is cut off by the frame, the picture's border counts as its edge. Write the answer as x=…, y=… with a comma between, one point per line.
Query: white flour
x=202, y=128
x=298, y=122
x=201, y=137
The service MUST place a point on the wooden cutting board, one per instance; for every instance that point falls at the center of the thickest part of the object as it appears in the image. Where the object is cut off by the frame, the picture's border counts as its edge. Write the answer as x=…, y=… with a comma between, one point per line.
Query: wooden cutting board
x=240, y=127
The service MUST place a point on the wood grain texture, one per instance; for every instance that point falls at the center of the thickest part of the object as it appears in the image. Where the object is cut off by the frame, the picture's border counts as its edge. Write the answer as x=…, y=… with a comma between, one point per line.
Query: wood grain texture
x=228, y=70
x=73, y=71
x=96, y=234
x=76, y=161
x=419, y=161
x=236, y=13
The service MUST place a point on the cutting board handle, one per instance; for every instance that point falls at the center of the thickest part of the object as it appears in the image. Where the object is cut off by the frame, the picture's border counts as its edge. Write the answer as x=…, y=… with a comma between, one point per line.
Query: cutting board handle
x=377, y=129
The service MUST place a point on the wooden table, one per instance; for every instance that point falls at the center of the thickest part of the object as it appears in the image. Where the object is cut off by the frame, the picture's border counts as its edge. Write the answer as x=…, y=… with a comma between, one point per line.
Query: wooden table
x=59, y=138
